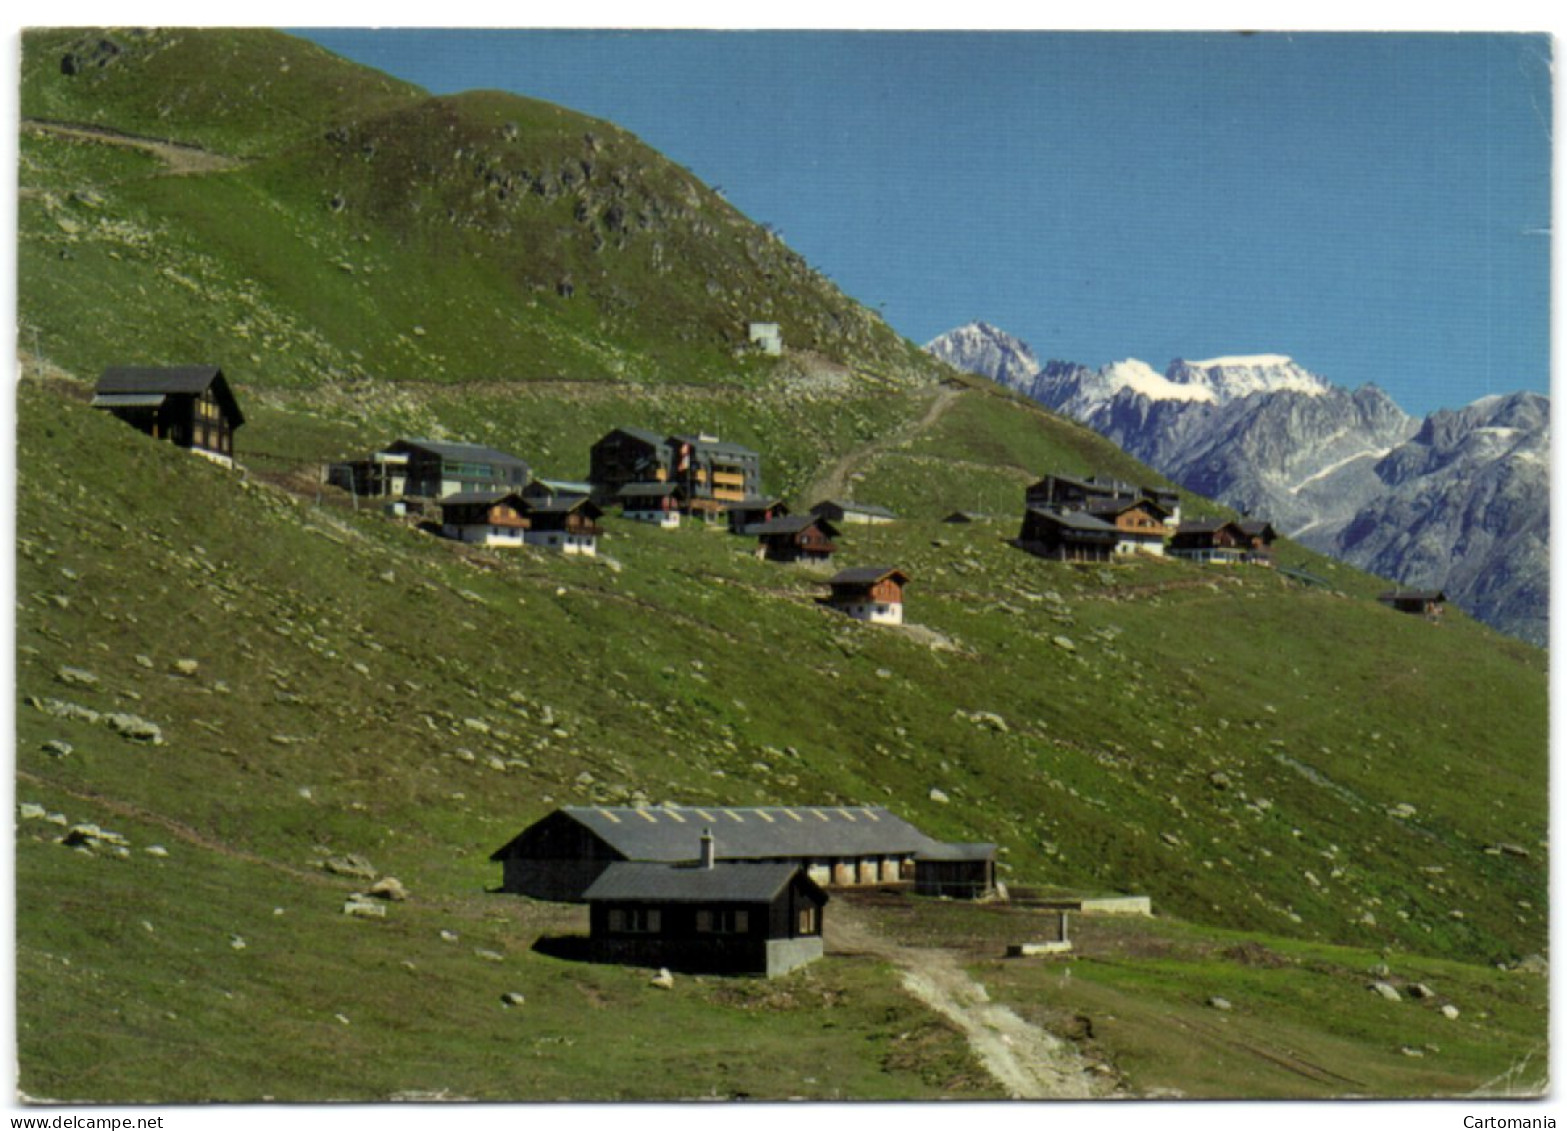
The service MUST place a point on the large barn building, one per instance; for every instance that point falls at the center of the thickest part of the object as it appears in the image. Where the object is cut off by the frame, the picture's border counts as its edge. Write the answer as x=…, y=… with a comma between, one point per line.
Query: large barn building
x=562, y=855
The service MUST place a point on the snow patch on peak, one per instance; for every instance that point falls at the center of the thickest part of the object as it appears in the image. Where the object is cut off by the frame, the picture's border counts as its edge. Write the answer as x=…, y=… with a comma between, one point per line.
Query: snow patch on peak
x=1252, y=361
x=1140, y=377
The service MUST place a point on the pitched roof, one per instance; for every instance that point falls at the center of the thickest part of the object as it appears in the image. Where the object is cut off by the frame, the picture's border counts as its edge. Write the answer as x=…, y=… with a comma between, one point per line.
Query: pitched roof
x=792, y=524
x=562, y=504
x=727, y=881
x=464, y=498
x=1120, y=504
x=671, y=835
x=854, y=508
x=1202, y=525
x=184, y=380
x=1080, y=521
x=865, y=575
x=1413, y=595
x=153, y=379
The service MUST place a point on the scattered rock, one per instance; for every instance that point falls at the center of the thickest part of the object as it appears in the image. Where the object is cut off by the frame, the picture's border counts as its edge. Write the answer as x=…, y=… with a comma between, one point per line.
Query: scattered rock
x=1064, y=643
x=449, y=936
x=77, y=677
x=135, y=728
x=31, y=811
x=1450, y=1012
x=389, y=888
x=1220, y=1003
x=156, y=850
x=1387, y=990
x=1532, y=964
x=236, y=942
x=490, y=955
x=363, y=907
x=353, y=866
x=144, y=661
x=938, y=796
x=57, y=748
x=1421, y=990
x=512, y=999
x=186, y=667
x=664, y=980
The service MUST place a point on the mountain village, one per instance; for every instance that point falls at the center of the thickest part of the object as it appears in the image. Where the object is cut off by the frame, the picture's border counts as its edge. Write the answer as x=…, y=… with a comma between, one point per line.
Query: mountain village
x=664, y=889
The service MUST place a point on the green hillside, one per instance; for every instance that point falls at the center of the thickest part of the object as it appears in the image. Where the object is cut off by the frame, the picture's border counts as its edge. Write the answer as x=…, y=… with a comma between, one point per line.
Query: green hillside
x=1266, y=760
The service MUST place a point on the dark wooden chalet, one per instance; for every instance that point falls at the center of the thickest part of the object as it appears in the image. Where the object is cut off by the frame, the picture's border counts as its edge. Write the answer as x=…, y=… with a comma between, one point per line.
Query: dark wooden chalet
x=485, y=518
x=956, y=871
x=717, y=917
x=569, y=524
x=1139, y=523
x=1214, y=540
x=1424, y=602
x=753, y=512
x=795, y=538
x=191, y=406
x=627, y=455
x=869, y=593
x=658, y=503
x=560, y=856
x=1070, y=536
x=1065, y=492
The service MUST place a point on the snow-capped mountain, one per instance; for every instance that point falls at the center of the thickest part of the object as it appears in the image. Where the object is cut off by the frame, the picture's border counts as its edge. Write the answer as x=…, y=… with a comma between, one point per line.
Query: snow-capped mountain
x=996, y=353
x=1346, y=472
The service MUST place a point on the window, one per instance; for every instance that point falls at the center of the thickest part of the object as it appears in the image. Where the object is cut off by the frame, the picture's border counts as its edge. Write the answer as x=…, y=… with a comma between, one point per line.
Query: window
x=634, y=920
x=725, y=921
x=807, y=921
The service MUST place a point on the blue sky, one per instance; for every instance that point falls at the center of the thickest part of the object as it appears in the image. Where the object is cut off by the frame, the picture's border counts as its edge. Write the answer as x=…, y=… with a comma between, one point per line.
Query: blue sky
x=1376, y=206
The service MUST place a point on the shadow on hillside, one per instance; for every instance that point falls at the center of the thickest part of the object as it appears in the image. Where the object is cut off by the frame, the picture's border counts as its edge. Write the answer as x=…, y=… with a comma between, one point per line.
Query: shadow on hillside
x=568, y=948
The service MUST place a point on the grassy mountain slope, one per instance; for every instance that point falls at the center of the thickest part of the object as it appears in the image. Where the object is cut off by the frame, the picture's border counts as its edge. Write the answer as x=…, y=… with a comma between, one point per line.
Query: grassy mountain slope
x=1258, y=756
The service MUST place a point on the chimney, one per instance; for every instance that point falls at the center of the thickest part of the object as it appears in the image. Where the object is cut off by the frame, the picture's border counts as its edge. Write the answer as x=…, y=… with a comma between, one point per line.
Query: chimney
x=708, y=853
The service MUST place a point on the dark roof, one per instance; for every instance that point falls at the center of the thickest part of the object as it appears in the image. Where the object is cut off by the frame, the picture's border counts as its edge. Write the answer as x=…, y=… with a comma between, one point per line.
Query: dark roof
x=561, y=504
x=1413, y=595
x=753, y=503
x=1202, y=525
x=464, y=498
x=792, y=524
x=1073, y=481
x=865, y=575
x=1080, y=521
x=183, y=380
x=636, y=434
x=451, y=450
x=856, y=508
x=149, y=379
x=955, y=852
x=672, y=835
x=727, y=881
x=1257, y=527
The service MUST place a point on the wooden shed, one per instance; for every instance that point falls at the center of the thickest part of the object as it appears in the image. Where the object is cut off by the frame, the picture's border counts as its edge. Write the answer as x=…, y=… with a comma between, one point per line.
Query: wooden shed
x=1139, y=523
x=656, y=503
x=708, y=917
x=956, y=871
x=1210, y=540
x=191, y=406
x=569, y=524
x=1422, y=602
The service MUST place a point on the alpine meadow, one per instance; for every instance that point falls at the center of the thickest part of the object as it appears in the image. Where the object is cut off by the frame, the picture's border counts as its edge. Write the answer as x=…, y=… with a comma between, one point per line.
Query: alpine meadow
x=245, y=696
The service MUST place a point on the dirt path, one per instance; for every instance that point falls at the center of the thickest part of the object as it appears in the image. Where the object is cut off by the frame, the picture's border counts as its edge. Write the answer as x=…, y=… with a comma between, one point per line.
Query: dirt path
x=834, y=482
x=182, y=160
x=1030, y=1063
